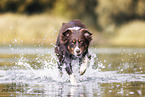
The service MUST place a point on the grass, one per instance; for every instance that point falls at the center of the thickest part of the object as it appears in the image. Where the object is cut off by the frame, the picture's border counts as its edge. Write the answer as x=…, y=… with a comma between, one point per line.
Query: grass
x=28, y=30
x=39, y=29
x=42, y=29
x=130, y=34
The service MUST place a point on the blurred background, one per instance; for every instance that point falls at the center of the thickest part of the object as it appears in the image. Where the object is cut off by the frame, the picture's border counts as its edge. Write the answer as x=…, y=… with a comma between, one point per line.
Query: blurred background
x=37, y=22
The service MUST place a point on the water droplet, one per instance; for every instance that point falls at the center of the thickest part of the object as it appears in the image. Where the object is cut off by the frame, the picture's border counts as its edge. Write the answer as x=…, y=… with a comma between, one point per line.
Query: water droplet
x=15, y=40
x=11, y=27
x=104, y=60
x=110, y=91
x=109, y=65
x=131, y=92
x=117, y=86
x=139, y=91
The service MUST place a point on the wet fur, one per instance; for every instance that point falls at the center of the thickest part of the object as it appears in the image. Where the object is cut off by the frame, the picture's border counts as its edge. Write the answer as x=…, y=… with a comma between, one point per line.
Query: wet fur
x=72, y=43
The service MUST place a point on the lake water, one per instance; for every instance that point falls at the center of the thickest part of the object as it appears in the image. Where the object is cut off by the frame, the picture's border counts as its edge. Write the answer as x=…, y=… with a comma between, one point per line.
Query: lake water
x=32, y=71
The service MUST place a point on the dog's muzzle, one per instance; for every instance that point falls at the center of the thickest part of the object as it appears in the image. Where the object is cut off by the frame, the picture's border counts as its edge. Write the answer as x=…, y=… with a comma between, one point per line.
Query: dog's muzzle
x=77, y=51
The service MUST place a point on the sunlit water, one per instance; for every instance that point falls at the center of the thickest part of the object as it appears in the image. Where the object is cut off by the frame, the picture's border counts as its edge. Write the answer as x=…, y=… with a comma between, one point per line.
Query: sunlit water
x=32, y=71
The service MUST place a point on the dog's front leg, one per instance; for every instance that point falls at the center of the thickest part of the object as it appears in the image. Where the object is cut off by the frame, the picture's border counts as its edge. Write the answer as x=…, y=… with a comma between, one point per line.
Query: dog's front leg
x=70, y=72
x=72, y=79
x=60, y=68
x=83, y=66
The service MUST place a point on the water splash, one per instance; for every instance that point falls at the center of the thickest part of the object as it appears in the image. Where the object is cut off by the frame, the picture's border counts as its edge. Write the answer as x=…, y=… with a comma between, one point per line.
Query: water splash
x=47, y=70
x=42, y=67
x=35, y=74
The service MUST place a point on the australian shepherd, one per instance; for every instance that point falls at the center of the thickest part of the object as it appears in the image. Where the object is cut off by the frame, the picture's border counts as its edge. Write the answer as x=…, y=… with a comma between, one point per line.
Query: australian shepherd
x=72, y=43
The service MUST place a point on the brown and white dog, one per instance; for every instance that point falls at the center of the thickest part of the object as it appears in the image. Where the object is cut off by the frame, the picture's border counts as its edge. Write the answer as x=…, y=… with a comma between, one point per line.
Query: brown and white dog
x=72, y=43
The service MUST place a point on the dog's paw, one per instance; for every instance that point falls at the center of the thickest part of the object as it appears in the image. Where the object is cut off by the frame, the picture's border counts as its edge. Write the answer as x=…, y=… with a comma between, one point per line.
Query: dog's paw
x=60, y=74
x=72, y=79
x=89, y=57
x=83, y=69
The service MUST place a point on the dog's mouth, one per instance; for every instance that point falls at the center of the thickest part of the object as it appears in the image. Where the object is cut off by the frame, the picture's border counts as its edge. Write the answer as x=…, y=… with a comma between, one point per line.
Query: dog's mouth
x=78, y=55
x=77, y=52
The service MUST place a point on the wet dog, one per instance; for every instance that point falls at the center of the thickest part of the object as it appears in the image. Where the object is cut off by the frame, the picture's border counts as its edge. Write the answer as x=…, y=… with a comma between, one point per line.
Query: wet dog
x=72, y=43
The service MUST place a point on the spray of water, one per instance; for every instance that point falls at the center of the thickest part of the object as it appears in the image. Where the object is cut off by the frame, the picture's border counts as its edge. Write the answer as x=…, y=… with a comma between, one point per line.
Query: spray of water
x=41, y=67
x=48, y=70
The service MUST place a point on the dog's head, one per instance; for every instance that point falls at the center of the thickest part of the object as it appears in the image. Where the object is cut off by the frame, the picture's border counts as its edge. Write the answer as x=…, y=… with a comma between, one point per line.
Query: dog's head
x=76, y=40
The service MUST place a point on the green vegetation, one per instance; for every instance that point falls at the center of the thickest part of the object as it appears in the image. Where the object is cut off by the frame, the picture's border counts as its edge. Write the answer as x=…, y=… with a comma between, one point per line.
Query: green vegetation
x=28, y=30
x=28, y=22
x=113, y=13
x=31, y=30
x=131, y=34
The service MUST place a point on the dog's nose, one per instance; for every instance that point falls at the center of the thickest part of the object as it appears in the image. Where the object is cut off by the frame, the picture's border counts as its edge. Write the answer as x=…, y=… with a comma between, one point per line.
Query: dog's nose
x=78, y=50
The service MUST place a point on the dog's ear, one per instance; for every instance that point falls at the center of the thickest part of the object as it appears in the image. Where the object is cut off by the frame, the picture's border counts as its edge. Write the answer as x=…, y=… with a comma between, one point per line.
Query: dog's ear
x=63, y=24
x=87, y=34
x=65, y=35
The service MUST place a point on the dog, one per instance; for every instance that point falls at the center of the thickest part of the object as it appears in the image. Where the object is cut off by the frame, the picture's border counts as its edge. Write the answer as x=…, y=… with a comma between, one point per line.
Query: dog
x=72, y=43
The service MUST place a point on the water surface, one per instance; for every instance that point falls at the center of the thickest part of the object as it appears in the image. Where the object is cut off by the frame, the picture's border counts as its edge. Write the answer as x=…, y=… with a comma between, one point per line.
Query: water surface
x=32, y=71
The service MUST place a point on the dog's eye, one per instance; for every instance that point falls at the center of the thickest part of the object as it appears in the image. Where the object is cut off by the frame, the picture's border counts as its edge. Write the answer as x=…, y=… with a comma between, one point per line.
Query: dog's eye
x=80, y=41
x=73, y=42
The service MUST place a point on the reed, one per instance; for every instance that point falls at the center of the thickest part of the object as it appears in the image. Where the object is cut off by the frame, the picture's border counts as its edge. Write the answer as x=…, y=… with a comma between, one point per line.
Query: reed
x=130, y=34
x=28, y=30
x=42, y=29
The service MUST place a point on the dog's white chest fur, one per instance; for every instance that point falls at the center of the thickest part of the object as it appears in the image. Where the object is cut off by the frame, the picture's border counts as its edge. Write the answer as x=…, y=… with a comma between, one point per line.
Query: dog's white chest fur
x=82, y=68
